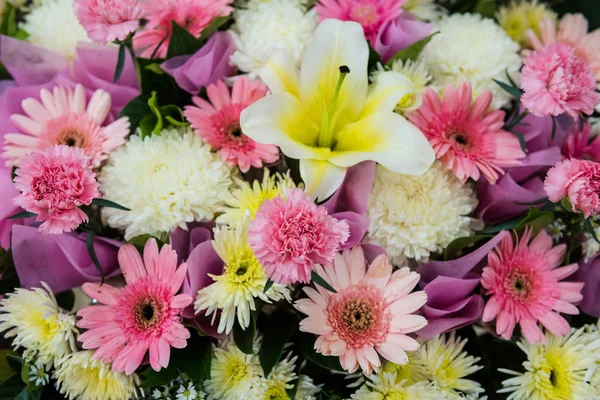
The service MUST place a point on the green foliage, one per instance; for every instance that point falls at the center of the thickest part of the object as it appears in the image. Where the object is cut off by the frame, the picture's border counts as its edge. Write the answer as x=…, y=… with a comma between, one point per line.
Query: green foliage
x=317, y=279
x=458, y=245
x=280, y=329
x=9, y=280
x=244, y=338
x=536, y=218
x=512, y=90
x=89, y=244
x=108, y=203
x=160, y=117
x=413, y=51
x=120, y=61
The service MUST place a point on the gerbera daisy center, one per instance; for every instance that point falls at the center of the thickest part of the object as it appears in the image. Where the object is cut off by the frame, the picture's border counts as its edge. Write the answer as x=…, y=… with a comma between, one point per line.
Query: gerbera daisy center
x=357, y=315
x=147, y=313
x=519, y=284
x=364, y=14
x=460, y=139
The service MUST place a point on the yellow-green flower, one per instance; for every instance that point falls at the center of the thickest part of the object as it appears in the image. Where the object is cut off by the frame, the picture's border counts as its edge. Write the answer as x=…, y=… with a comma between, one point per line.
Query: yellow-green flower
x=521, y=16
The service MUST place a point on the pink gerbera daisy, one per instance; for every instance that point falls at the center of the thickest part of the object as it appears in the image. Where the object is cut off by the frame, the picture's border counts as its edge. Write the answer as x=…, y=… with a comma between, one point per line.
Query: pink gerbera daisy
x=54, y=183
x=370, y=314
x=108, y=20
x=467, y=137
x=581, y=144
x=218, y=122
x=370, y=14
x=193, y=15
x=63, y=118
x=525, y=287
x=144, y=316
x=290, y=234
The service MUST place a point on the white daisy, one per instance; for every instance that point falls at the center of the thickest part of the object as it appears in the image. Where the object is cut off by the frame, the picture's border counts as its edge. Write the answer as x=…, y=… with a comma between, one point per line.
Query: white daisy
x=52, y=24
x=187, y=392
x=166, y=180
x=414, y=216
x=38, y=375
x=267, y=26
x=556, y=229
x=470, y=48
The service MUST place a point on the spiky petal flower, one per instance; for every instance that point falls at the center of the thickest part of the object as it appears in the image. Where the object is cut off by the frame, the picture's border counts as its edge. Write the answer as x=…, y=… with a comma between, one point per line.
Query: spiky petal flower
x=54, y=183
x=386, y=385
x=524, y=281
x=108, y=20
x=291, y=233
x=64, y=116
x=521, y=16
x=466, y=137
x=143, y=316
x=369, y=315
x=218, y=122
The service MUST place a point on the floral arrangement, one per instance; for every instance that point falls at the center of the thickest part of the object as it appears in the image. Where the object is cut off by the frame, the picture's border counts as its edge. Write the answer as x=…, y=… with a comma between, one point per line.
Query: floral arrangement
x=299, y=200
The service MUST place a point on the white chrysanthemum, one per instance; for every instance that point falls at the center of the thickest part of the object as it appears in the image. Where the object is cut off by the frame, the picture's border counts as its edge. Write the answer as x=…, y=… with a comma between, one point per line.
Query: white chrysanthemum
x=267, y=26
x=281, y=378
x=470, y=48
x=80, y=376
x=243, y=281
x=34, y=321
x=447, y=366
x=414, y=216
x=426, y=10
x=385, y=386
x=307, y=389
x=559, y=369
x=53, y=25
x=166, y=181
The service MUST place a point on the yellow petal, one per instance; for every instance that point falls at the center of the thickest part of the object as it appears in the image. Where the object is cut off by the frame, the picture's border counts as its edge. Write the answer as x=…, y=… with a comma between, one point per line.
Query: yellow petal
x=280, y=74
x=388, y=89
x=387, y=138
x=321, y=178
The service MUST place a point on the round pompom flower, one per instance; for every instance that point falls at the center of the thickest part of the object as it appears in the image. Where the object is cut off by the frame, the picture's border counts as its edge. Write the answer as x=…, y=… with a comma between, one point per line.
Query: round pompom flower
x=54, y=183
x=290, y=234
x=65, y=117
x=370, y=313
x=108, y=20
x=579, y=180
x=555, y=81
x=524, y=282
x=466, y=137
x=143, y=316
x=218, y=122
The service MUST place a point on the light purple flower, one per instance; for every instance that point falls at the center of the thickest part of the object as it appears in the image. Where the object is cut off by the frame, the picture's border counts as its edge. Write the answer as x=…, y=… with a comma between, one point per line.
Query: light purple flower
x=590, y=274
x=398, y=34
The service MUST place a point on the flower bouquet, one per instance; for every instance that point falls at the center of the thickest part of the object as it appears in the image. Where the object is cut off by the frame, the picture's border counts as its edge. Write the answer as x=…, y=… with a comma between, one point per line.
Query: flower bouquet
x=299, y=200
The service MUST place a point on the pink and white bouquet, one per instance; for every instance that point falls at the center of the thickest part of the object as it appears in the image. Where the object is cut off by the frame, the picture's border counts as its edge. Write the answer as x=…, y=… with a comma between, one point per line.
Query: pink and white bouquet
x=295, y=199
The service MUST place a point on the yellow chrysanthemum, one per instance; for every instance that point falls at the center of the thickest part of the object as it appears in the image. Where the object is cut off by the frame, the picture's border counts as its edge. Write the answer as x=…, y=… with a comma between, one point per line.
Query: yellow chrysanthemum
x=247, y=198
x=35, y=322
x=412, y=372
x=79, y=376
x=520, y=16
x=385, y=386
x=242, y=281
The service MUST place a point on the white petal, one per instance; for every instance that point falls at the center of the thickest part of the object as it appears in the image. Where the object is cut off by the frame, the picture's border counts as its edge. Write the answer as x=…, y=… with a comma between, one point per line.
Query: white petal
x=386, y=91
x=99, y=106
x=281, y=74
x=322, y=178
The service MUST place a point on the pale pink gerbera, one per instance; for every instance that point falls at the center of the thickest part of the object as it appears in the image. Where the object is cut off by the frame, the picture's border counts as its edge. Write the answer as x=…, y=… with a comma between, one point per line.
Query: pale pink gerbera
x=108, y=20
x=579, y=145
x=370, y=14
x=143, y=316
x=466, y=137
x=579, y=181
x=193, y=15
x=371, y=312
x=525, y=287
x=63, y=118
x=555, y=81
x=218, y=122
x=54, y=183
x=572, y=31
x=290, y=234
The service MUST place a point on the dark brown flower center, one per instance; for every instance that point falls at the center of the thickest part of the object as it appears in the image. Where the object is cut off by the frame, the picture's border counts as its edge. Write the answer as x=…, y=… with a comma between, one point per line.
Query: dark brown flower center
x=460, y=139
x=71, y=138
x=147, y=313
x=357, y=315
x=519, y=285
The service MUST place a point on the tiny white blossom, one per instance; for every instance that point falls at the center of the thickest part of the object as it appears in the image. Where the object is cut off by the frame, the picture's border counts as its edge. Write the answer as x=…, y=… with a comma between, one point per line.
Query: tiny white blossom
x=188, y=393
x=38, y=375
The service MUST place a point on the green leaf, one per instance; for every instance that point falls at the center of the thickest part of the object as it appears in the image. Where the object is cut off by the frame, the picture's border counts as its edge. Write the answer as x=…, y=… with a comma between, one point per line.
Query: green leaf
x=11, y=388
x=182, y=42
x=153, y=123
x=9, y=21
x=535, y=217
x=21, y=34
x=457, y=245
x=25, y=377
x=135, y=110
x=412, y=52
x=120, y=61
x=566, y=203
x=155, y=67
x=516, y=122
x=140, y=241
x=306, y=346
x=268, y=285
x=214, y=26
x=22, y=215
x=321, y=282
x=512, y=90
x=486, y=8
x=89, y=243
x=197, y=367
x=151, y=378
x=521, y=141
x=280, y=329
x=6, y=371
x=15, y=362
x=244, y=338
x=29, y=394
x=108, y=203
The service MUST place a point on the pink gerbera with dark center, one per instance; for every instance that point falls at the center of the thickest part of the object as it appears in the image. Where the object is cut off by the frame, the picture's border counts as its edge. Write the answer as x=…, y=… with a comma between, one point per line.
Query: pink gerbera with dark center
x=290, y=234
x=54, y=183
x=218, y=122
x=370, y=14
x=64, y=117
x=108, y=20
x=144, y=316
x=467, y=137
x=193, y=15
x=524, y=282
x=579, y=181
x=370, y=315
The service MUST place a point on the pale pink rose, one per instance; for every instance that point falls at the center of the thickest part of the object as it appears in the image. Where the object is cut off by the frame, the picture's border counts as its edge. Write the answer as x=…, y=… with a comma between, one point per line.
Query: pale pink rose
x=54, y=183
x=579, y=180
x=108, y=20
x=555, y=81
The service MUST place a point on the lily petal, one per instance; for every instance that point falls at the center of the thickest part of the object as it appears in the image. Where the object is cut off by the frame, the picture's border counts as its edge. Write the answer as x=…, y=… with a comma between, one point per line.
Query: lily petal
x=321, y=178
x=388, y=89
x=281, y=74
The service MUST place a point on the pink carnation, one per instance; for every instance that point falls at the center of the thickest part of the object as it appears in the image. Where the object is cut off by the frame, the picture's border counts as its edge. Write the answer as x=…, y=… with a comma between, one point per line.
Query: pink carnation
x=108, y=20
x=290, y=234
x=370, y=14
x=218, y=122
x=555, y=81
x=579, y=180
x=524, y=282
x=467, y=137
x=370, y=315
x=54, y=183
